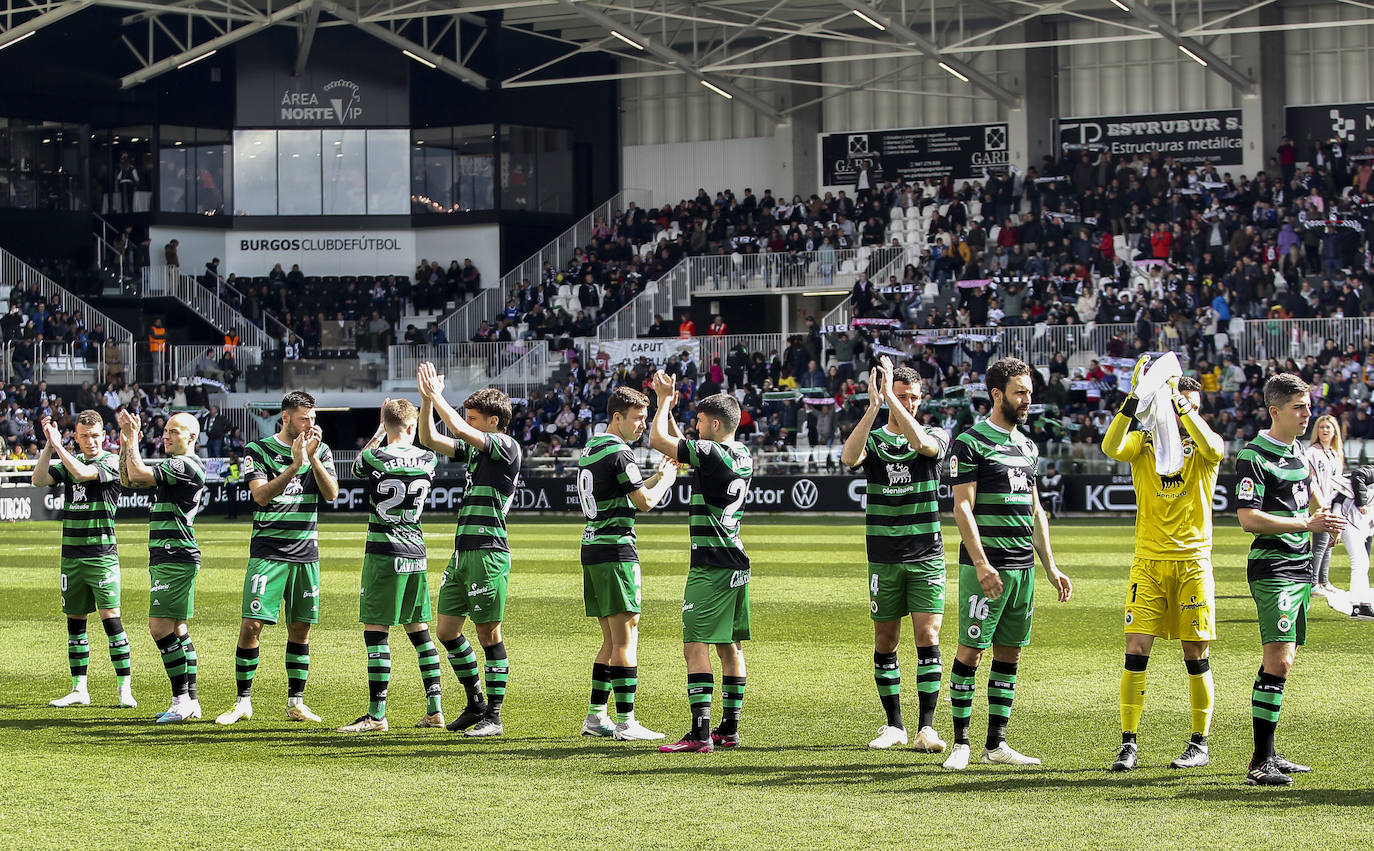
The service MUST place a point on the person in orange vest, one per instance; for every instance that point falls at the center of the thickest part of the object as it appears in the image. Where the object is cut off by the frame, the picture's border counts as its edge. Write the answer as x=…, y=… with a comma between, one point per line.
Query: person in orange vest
x=157, y=346
x=231, y=342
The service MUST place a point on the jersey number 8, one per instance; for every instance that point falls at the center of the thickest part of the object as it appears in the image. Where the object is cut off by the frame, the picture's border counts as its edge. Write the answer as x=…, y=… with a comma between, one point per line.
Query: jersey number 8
x=585, y=494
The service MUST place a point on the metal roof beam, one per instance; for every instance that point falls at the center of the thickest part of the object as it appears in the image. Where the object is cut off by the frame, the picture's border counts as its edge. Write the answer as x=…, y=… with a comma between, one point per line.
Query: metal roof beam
x=38, y=22
x=906, y=35
x=672, y=57
x=307, y=39
x=400, y=42
x=1211, y=61
x=197, y=51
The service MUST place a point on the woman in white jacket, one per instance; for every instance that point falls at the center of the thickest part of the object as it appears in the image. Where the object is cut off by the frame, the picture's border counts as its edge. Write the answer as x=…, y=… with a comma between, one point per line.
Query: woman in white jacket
x=1352, y=498
x=1327, y=461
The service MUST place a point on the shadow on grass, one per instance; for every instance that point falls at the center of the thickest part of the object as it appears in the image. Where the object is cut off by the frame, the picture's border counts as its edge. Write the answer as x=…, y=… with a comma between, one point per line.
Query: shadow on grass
x=1295, y=796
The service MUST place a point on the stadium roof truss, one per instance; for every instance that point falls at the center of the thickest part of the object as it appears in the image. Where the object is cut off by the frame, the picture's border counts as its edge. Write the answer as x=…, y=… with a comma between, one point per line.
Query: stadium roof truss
x=728, y=46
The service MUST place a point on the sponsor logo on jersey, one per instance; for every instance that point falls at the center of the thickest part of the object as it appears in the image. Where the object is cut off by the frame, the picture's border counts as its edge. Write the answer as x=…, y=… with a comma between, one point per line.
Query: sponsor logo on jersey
x=160, y=586
x=975, y=631
x=739, y=579
x=1300, y=494
x=1192, y=604
x=78, y=493
x=255, y=606
x=1285, y=624
x=476, y=589
x=1018, y=481
x=313, y=592
x=1130, y=617
x=687, y=607
x=1245, y=489
x=900, y=474
x=293, y=487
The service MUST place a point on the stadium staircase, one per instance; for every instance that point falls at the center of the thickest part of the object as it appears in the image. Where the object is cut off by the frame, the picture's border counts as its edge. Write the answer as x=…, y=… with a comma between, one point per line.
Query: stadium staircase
x=462, y=323
x=60, y=364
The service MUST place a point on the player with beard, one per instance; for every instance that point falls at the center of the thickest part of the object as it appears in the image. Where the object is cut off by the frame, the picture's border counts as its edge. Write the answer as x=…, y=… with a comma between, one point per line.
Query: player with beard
x=1002, y=527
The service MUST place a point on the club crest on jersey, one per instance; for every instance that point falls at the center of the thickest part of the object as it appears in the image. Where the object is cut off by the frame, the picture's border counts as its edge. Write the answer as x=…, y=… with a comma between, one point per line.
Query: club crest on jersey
x=1245, y=489
x=898, y=474
x=1300, y=494
x=1018, y=481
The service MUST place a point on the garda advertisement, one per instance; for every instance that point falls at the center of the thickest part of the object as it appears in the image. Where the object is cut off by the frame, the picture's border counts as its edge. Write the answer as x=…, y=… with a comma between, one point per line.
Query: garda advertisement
x=781, y=494
x=1350, y=123
x=1189, y=137
x=323, y=252
x=929, y=152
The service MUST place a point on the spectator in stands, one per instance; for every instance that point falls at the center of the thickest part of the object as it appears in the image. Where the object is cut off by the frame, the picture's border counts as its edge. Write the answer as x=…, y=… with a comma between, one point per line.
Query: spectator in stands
x=686, y=328
x=717, y=328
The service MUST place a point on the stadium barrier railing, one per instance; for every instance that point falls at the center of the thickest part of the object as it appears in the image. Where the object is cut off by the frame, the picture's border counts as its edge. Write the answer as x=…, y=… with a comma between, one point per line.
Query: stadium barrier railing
x=14, y=271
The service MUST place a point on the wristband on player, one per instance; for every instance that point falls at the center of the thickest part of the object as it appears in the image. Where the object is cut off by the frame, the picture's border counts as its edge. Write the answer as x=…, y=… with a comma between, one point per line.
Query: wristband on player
x=1129, y=406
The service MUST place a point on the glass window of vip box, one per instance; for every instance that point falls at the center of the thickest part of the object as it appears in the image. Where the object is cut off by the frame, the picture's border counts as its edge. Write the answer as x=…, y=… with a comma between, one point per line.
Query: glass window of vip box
x=451, y=169
x=43, y=165
x=320, y=172
x=194, y=167
x=536, y=169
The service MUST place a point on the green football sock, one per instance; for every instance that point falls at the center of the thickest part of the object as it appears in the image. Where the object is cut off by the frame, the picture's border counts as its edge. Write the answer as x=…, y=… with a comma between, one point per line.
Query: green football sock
x=429, y=669
x=378, y=671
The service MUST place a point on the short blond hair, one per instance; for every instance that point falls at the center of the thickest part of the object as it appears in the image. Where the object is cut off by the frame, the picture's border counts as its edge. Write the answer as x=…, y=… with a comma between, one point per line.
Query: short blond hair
x=398, y=412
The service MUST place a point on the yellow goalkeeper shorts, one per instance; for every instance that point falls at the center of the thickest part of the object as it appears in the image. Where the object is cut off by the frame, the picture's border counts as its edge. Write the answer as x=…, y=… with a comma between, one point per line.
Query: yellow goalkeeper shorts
x=1171, y=599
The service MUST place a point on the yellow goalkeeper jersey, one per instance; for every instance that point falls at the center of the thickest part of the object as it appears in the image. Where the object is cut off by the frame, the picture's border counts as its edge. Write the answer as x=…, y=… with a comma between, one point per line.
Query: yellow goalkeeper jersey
x=1173, y=520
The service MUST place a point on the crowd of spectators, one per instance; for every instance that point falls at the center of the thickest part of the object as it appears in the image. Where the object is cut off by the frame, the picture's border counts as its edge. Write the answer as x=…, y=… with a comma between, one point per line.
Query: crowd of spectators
x=637, y=246
x=34, y=327
x=24, y=405
x=347, y=312
x=1182, y=257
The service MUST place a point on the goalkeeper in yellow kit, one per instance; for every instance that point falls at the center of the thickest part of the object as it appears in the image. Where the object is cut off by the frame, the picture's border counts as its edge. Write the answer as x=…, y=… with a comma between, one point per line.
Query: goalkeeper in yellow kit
x=1171, y=592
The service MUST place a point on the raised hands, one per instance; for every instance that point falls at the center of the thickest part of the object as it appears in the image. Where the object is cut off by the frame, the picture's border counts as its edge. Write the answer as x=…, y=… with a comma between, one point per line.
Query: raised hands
x=429, y=381
x=665, y=387
x=50, y=432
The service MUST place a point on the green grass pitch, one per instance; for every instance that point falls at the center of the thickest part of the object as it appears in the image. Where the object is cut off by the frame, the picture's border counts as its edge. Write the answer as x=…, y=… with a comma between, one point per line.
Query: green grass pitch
x=102, y=776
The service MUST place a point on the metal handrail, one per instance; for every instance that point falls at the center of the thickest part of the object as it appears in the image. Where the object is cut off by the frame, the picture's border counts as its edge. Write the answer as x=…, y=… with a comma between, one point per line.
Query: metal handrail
x=170, y=282
x=462, y=323
x=14, y=271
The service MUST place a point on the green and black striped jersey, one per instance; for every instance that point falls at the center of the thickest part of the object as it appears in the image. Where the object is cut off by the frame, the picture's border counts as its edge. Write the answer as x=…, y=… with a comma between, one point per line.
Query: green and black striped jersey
x=177, y=495
x=492, y=474
x=606, y=476
x=1002, y=465
x=1274, y=479
x=720, y=484
x=902, y=513
x=398, y=481
x=285, y=529
x=88, y=508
